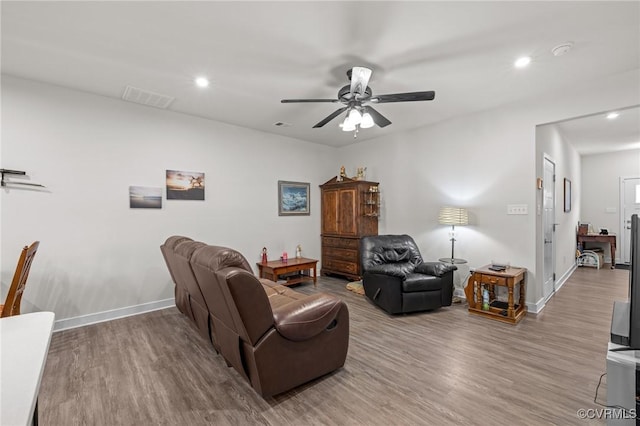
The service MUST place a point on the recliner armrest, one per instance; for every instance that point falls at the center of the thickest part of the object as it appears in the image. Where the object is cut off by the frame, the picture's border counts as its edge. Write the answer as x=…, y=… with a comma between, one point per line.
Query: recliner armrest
x=437, y=269
x=302, y=319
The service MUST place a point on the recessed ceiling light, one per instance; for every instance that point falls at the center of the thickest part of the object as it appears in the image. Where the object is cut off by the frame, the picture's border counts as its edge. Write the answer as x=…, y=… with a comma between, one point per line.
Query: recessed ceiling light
x=522, y=62
x=613, y=115
x=202, y=82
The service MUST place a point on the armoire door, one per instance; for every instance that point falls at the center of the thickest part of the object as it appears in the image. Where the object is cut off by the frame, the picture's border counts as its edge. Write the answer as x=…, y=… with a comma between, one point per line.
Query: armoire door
x=330, y=211
x=347, y=205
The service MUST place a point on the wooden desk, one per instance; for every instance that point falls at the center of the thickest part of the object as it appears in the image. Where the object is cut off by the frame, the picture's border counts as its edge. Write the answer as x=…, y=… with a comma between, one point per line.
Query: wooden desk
x=24, y=343
x=271, y=270
x=597, y=238
x=486, y=278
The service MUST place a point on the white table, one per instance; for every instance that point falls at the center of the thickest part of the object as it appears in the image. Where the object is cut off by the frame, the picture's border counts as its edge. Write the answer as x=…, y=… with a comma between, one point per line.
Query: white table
x=24, y=343
x=460, y=275
x=621, y=382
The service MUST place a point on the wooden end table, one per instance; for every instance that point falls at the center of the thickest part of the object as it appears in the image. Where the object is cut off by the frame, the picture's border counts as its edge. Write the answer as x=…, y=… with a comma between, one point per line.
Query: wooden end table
x=484, y=277
x=298, y=265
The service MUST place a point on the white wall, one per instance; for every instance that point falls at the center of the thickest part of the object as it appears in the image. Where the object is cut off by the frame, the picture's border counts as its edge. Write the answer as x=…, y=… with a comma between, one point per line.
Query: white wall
x=96, y=253
x=484, y=162
x=601, y=175
x=550, y=142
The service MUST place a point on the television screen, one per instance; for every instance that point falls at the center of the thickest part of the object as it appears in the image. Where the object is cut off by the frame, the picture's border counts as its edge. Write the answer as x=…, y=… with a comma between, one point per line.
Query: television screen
x=625, y=323
x=634, y=284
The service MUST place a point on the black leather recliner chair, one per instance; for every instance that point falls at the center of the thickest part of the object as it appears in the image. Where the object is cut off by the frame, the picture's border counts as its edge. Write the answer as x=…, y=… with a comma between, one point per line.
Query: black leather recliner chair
x=395, y=277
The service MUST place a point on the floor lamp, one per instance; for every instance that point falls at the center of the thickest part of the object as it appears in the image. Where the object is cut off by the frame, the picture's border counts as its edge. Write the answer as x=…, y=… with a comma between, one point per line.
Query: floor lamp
x=453, y=216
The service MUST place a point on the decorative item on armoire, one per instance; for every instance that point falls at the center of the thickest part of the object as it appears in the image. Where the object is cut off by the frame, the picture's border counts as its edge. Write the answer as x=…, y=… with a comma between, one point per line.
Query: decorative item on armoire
x=343, y=174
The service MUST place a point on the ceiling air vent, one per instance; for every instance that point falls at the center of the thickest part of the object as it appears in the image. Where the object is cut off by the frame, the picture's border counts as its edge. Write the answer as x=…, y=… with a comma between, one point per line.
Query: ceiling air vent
x=146, y=97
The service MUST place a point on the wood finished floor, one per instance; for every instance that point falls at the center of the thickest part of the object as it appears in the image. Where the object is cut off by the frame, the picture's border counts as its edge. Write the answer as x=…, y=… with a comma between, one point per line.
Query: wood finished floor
x=445, y=367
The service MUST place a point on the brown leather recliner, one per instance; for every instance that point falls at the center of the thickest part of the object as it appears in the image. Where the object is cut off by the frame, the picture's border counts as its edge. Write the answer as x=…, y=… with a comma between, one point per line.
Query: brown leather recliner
x=181, y=292
x=177, y=252
x=275, y=337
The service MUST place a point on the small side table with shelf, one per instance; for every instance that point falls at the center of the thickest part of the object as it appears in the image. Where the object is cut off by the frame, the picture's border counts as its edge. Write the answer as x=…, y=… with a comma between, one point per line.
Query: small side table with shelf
x=511, y=278
x=294, y=271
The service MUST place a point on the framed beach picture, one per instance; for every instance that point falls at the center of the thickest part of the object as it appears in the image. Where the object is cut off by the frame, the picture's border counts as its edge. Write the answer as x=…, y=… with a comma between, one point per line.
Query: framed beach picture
x=183, y=185
x=293, y=198
x=144, y=197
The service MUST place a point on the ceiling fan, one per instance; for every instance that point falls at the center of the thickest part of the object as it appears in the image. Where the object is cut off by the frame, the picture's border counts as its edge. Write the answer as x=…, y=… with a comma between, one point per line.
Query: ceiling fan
x=357, y=98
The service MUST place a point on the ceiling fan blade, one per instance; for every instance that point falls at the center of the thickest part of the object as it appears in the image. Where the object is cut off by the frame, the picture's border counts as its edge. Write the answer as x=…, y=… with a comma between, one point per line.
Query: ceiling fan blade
x=378, y=118
x=289, y=101
x=404, y=97
x=330, y=117
x=359, y=79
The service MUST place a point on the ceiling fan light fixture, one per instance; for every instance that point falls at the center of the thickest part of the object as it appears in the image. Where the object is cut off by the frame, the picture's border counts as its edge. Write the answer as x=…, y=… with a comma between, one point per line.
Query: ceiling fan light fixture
x=367, y=121
x=355, y=98
x=354, y=117
x=348, y=126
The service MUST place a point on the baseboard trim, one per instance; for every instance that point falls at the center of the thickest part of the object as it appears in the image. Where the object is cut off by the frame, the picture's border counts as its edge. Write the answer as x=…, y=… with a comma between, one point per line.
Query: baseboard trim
x=80, y=321
x=535, y=308
x=563, y=279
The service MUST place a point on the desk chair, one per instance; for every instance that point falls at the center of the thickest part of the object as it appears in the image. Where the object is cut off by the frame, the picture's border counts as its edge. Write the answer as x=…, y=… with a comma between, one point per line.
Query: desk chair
x=11, y=304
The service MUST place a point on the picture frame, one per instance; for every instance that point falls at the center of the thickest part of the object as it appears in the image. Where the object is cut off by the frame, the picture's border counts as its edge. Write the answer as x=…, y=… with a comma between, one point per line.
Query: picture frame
x=567, y=195
x=145, y=197
x=293, y=198
x=184, y=185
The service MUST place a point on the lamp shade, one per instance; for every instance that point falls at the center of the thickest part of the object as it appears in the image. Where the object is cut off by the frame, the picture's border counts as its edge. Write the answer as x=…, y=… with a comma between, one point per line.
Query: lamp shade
x=453, y=216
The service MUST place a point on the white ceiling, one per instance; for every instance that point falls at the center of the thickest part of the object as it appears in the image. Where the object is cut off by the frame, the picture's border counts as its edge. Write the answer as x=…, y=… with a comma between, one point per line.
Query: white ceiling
x=596, y=133
x=257, y=53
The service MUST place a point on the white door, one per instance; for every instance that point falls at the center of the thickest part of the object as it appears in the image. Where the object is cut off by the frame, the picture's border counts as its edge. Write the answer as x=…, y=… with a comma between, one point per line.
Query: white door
x=629, y=204
x=548, y=228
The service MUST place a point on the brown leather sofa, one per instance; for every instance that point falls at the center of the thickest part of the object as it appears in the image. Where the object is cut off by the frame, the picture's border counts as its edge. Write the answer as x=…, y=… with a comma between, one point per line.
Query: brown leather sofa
x=275, y=337
x=181, y=292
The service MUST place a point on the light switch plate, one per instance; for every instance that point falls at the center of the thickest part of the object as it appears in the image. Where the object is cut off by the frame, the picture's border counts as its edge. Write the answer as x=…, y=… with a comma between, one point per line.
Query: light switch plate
x=517, y=209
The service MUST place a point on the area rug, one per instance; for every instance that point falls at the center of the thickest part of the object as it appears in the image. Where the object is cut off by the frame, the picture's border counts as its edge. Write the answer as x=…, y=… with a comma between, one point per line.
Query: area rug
x=356, y=287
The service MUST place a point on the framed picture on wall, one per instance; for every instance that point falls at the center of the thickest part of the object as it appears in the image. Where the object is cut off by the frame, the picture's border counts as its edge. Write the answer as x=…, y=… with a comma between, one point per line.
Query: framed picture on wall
x=293, y=199
x=144, y=197
x=183, y=185
x=567, y=195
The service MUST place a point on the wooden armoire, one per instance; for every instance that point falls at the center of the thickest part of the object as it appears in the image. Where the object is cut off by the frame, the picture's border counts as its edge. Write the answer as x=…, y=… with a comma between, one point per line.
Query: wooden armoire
x=350, y=210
